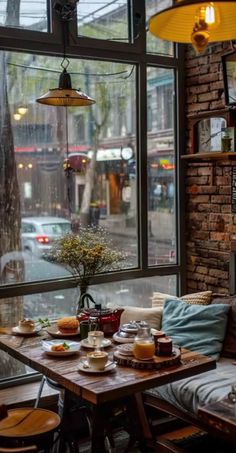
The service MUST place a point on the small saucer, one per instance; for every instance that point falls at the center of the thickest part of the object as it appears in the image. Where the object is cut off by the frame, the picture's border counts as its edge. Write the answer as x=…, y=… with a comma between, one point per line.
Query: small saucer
x=17, y=331
x=83, y=366
x=105, y=343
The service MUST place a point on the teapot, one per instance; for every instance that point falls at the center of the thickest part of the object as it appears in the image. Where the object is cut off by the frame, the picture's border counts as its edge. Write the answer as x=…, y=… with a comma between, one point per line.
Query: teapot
x=107, y=320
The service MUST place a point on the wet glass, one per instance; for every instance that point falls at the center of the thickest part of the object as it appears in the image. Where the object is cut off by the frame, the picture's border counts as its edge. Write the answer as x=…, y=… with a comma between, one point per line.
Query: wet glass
x=27, y=15
x=103, y=19
x=156, y=45
x=49, y=194
x=161, y=167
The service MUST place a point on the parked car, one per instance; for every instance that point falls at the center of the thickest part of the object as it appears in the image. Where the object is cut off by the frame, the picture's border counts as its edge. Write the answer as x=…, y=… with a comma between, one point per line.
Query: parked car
x=38, y=233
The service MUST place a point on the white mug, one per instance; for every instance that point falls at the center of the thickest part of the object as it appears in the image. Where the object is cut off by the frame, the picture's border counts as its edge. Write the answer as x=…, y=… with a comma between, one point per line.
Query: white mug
x=97, y=359
x=95, y=338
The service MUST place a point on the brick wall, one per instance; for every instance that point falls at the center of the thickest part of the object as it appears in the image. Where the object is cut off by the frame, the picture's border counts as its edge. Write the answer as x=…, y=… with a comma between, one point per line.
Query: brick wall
x=209, y=219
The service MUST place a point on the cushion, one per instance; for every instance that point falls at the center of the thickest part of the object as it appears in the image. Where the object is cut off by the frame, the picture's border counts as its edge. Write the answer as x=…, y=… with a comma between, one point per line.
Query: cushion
x=229, y=346
x=151, y=315
x=200, y=328
x=158, y=299
x=201, y=298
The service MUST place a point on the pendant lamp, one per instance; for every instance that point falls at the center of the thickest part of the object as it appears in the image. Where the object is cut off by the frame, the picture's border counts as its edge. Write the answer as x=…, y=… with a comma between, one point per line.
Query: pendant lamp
x=196, y=22
x=65, y=95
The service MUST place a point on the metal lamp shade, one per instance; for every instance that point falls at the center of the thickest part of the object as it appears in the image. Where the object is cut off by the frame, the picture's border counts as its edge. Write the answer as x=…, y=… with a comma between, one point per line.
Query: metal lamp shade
x=65, y=95
x=177, y=22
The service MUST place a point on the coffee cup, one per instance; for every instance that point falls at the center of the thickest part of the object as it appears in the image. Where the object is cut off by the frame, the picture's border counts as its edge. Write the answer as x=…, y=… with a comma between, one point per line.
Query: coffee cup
x=95, y=338
x=97, y=360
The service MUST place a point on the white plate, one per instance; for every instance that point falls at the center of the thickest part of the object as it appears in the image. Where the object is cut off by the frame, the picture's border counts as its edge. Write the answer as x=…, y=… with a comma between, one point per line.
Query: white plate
x=55, y=332
x=73, y=347
x=84, y=364
x=106, y=342
x=16, y=331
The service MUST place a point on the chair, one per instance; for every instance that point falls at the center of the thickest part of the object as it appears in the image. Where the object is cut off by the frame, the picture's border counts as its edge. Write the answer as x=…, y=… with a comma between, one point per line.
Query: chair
x=73, y=413
x=27, y=429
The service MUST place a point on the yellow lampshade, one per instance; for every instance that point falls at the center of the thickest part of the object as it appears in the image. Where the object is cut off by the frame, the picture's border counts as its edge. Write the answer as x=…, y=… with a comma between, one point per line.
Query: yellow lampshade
x=178, y=23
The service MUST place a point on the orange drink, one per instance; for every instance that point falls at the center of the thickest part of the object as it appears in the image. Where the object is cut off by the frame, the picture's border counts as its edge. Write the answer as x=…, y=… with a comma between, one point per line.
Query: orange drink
x=144, y=350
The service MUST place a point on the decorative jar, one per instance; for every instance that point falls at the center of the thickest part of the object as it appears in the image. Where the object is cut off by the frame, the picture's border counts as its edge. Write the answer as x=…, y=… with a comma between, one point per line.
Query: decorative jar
x=144, y=345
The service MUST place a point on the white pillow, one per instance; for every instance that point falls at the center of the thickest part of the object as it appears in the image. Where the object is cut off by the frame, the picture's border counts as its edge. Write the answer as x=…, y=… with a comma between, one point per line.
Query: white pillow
x=151, y=315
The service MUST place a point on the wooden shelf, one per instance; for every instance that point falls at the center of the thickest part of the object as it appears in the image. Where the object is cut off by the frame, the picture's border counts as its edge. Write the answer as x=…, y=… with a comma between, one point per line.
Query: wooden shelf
x=209, y=156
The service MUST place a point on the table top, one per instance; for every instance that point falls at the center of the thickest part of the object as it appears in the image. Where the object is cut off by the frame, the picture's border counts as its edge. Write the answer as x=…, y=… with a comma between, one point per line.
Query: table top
x=99, y=388
x=220, y=415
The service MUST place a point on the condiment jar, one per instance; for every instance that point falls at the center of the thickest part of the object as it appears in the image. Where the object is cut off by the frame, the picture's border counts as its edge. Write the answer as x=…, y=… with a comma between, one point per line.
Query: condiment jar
x=144, y=346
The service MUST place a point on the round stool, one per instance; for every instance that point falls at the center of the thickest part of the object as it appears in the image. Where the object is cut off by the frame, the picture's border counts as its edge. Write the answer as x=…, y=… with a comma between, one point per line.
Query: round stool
x=26, y=426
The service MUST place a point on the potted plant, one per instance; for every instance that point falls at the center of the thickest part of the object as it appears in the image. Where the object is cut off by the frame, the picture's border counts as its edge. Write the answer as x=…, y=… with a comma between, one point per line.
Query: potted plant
x=85, y=254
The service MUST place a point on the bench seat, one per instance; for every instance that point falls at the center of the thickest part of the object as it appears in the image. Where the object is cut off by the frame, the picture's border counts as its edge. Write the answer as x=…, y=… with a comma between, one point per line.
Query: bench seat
x=188, y=394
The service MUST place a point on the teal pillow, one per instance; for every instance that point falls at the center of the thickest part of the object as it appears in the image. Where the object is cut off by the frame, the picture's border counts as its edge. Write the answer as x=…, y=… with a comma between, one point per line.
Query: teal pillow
x=200, y=328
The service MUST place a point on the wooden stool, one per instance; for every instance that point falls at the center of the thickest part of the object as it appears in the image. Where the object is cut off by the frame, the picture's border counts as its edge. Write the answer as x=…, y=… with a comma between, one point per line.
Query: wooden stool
x=27, y=426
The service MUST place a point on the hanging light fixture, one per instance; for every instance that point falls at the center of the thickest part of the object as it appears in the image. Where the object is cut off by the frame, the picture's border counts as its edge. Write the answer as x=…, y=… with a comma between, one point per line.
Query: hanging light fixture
x=196, y=22
x=65, y=95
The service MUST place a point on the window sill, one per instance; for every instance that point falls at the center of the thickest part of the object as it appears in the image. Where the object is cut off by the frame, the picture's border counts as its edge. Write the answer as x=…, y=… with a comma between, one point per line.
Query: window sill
x=208, y=156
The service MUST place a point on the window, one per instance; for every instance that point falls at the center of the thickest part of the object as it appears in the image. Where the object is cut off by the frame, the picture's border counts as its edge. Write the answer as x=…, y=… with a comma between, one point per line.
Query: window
x=154, y=45
x=129, y=135
x=103, y=19
x=161, y=168
x=21, y=14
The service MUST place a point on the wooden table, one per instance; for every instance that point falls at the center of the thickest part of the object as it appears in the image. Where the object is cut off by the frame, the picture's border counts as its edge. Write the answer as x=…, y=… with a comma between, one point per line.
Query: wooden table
x=100, y=389
x=220, y=416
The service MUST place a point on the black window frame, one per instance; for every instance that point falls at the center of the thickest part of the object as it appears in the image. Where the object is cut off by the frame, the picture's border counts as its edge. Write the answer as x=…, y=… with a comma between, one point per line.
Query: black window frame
x=134, y=53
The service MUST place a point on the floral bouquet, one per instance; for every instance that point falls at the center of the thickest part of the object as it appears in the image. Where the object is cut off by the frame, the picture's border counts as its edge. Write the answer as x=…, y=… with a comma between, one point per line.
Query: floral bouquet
x=85, y=254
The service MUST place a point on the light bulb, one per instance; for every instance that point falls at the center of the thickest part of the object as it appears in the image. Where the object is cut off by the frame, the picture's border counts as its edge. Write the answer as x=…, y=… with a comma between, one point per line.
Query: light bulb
x=210, y=16
x=207, y=17
x=16, y=116
x=22, y=110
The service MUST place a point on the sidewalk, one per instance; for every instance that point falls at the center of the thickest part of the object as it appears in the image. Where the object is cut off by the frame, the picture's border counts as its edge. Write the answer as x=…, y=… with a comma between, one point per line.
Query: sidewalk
x=161, y=225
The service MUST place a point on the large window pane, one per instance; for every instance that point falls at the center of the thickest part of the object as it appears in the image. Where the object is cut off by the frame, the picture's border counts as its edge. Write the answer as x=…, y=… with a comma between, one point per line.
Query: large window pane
x=103, y=19
x=24, y=14
x=155, y=45
x=161, y=167
x=48, y=166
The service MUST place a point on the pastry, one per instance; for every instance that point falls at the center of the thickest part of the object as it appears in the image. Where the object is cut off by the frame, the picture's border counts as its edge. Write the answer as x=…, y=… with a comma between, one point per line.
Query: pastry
x=68, y=325
x=26, y=325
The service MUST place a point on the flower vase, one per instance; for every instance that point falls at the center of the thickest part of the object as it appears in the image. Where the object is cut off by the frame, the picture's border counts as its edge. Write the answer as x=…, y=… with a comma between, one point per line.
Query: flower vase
x=80, y=302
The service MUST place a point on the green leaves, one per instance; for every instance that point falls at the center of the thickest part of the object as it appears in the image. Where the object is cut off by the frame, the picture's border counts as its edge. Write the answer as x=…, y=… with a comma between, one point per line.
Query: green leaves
x=44, y=322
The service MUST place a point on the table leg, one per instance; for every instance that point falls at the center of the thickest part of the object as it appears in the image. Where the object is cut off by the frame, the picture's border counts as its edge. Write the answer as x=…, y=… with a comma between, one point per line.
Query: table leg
x=98, y=430
x=146, y=441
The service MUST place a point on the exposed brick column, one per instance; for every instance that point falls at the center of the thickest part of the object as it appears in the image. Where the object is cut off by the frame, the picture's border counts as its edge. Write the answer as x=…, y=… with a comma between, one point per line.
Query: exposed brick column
x=209, y=220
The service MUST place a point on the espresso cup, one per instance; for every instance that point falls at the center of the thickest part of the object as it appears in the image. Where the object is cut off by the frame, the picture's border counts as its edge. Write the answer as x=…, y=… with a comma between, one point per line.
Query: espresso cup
x=97, y=359
x=95, y=338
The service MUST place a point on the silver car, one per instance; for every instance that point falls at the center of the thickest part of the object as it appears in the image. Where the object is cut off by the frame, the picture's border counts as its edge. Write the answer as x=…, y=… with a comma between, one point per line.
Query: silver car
x=38, y=233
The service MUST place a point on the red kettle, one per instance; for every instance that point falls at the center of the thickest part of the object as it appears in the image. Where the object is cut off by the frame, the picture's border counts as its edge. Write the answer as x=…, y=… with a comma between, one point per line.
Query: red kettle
x=107, y=320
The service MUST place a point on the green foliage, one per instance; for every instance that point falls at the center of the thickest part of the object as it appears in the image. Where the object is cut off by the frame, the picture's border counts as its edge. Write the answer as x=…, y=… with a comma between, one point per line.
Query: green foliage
x=86, y=254
x=44, y=322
